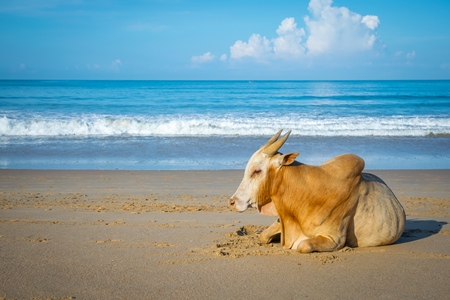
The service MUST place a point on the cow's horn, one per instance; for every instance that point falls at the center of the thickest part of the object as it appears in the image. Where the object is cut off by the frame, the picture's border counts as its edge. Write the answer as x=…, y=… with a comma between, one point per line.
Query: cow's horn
x=274, y=147
x=272, y=139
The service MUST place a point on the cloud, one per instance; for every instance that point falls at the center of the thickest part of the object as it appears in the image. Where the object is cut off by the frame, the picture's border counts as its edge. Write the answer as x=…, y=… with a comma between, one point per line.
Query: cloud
x=288, y=43
x=371, y=22
x=207, y=57
x=331, y=31
x=257, y=47
x=338, y=30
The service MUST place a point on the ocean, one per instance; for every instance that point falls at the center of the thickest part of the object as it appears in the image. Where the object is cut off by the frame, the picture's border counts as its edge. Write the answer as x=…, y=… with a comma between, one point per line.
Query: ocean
x=217, y=125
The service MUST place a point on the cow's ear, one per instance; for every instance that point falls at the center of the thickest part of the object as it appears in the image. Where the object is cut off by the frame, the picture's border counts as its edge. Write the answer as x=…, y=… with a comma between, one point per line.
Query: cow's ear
x=288, y=159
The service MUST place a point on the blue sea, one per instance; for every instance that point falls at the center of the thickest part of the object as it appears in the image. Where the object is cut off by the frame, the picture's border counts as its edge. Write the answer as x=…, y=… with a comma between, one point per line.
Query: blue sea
x=216, y=125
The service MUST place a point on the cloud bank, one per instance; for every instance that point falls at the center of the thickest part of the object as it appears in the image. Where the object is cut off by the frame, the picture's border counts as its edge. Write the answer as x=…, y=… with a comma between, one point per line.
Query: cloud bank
x=329, y=31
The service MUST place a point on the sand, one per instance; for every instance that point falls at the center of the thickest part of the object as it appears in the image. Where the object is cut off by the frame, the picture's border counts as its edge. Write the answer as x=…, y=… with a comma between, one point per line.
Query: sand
x=170, y=235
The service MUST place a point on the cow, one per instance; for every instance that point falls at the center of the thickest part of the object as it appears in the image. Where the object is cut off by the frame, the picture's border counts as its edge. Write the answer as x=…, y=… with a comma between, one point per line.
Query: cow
x=319, y=208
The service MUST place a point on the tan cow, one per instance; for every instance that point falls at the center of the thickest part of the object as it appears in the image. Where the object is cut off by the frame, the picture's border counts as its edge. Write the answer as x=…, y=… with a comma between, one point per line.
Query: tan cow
x=320, y=208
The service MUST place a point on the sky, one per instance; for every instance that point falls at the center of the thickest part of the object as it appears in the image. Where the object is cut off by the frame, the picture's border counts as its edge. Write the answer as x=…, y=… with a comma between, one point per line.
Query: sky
x=225, y=40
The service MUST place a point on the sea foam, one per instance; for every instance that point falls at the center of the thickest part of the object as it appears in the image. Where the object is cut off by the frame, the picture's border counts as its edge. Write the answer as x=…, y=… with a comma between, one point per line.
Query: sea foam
x=201, y=125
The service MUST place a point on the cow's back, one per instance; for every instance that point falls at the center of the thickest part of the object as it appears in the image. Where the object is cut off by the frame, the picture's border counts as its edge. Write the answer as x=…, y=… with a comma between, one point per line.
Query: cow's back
x=379, y=217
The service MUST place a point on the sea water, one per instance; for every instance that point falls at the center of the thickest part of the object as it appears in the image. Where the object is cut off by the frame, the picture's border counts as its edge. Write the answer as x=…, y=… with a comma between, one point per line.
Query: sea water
x=213, y=125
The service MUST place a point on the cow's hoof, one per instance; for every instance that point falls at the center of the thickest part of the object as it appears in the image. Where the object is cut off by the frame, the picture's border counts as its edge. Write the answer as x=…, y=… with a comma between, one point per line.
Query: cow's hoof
x=305, y=247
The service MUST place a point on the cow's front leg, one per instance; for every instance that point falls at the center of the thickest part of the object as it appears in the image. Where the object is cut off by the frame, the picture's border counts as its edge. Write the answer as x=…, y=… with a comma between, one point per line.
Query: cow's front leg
x=271, y=233
x=318, y=243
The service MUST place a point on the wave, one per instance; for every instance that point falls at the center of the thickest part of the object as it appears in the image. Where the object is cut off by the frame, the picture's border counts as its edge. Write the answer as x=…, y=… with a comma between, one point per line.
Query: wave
x=98, y=125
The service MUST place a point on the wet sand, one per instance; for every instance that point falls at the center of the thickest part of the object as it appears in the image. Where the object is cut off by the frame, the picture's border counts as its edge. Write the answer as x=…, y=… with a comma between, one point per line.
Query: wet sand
x=170, y=235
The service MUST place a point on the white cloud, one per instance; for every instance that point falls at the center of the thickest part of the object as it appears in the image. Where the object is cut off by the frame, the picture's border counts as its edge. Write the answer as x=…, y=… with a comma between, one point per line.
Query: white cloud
x=223, y=57
x=331, y=31
x=207, y=57
x=338, y=30
x=371, y=22
x=288, y=43
x=257, y=47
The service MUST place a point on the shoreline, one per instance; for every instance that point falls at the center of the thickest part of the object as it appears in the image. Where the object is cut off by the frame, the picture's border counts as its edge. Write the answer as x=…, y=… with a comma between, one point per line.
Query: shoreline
x=214, y=152
x=74, y=234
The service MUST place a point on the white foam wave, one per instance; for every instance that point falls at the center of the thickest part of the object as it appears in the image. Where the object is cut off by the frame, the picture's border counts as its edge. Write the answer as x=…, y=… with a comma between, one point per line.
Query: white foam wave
x=96, y=125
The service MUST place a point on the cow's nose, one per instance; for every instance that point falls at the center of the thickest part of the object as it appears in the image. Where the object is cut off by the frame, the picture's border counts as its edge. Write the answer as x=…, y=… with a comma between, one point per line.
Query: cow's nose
x=231, y=201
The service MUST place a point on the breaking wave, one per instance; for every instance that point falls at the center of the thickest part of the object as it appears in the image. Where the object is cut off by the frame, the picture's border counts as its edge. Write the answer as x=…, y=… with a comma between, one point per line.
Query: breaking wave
x=98, y=125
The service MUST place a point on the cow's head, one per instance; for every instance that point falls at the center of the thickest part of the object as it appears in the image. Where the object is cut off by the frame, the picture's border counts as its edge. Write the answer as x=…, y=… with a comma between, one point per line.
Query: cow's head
x=254, y=190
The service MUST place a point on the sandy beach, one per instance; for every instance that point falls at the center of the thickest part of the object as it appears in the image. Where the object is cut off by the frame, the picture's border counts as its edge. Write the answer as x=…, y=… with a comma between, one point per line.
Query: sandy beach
x=170, y=235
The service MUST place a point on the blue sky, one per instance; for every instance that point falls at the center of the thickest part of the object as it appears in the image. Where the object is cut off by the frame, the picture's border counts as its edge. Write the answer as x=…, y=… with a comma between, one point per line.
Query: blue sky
x=249, y=40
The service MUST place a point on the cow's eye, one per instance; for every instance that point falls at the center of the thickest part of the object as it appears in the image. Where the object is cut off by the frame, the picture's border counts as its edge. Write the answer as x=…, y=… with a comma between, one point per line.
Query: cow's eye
x=256, y=172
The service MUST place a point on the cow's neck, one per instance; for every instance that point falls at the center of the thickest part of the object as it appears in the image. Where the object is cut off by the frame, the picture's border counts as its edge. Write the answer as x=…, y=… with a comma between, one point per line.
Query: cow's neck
x=282, y=177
